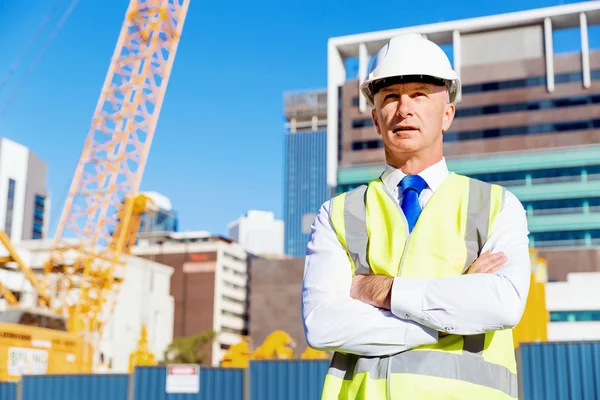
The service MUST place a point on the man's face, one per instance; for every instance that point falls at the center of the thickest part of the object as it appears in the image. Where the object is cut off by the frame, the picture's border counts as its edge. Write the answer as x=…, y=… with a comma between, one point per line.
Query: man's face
x=411, y=118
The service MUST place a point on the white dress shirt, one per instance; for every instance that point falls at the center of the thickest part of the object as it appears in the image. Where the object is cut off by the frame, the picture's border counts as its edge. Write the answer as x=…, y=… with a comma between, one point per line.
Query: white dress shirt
x=420, y=308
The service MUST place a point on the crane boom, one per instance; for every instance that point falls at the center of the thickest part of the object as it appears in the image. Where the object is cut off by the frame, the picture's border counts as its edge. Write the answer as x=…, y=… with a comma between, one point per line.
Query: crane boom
x=85, y=267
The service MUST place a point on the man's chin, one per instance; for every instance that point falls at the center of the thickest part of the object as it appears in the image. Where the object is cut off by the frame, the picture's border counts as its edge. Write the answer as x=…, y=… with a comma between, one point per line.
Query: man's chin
x=406, y=145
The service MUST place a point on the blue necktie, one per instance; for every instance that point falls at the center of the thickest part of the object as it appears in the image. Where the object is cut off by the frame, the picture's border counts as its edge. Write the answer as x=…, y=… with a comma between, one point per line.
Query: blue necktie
x=411, y=186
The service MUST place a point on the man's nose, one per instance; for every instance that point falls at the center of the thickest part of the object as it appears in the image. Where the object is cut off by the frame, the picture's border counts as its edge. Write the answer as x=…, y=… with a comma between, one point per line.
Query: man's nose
x=405, y=107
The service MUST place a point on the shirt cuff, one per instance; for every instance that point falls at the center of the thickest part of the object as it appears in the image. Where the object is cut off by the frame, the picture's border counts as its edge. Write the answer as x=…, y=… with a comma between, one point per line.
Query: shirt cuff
x=407, y=298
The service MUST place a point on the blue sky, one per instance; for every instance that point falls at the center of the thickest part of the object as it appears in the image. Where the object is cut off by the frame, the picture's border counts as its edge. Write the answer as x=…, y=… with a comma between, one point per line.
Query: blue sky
x=218, y=148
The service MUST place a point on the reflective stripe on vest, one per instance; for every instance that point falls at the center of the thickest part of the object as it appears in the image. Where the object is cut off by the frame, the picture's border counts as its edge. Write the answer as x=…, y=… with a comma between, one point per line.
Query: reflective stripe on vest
x=450, y=232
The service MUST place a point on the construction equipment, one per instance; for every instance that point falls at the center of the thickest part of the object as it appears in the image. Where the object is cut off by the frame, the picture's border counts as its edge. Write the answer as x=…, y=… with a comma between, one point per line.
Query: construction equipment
x=314, y=354
x=101, y=215
x=142, y=355
x=533, y=326
x=277, y=346
x=238, y=355
x=35, y=341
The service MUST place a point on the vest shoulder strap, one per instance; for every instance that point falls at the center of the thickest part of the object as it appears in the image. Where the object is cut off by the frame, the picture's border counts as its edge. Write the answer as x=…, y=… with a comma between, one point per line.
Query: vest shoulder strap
x=349, y=220
x=485, y=201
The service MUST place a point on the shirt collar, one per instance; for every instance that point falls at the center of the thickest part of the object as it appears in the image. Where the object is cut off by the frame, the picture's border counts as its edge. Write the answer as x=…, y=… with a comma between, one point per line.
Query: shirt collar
x=434, y=175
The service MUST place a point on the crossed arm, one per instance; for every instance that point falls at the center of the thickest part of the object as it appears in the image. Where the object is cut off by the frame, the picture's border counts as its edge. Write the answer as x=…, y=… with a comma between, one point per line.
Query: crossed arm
x=377, y=315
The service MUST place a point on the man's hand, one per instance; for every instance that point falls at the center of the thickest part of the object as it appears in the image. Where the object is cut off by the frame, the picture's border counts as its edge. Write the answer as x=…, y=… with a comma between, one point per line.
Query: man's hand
x=487, y=263
x=375, y=290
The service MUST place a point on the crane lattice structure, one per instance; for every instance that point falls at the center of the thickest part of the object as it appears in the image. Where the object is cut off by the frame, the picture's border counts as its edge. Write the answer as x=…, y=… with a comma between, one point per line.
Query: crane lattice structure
x=100, y=219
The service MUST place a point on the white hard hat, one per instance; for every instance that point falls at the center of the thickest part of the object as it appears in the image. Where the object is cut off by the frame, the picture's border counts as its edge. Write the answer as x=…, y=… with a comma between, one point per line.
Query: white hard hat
x=410, y=55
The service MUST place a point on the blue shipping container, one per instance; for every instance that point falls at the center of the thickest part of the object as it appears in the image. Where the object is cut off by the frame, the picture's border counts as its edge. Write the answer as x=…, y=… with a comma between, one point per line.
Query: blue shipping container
x=75, y=387
x=560, y=370
x=215, y=384
x=8, y=391
x=289, y=380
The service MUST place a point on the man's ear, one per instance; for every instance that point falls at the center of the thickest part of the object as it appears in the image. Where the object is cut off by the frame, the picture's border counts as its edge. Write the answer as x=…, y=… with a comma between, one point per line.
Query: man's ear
x=448, y=117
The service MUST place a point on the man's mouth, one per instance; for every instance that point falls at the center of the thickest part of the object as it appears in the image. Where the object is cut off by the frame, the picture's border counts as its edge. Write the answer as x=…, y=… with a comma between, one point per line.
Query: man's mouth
x=404, y=128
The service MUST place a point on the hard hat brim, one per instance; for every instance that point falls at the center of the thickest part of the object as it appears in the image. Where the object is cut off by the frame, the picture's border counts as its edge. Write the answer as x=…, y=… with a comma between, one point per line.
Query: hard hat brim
x=370, y=88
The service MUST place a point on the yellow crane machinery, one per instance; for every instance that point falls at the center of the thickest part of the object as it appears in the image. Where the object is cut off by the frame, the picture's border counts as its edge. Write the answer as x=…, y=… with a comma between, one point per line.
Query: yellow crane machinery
x=100, y=218
x=533, y=326
x=314, y=354
x=277, y=346
x=142, y=355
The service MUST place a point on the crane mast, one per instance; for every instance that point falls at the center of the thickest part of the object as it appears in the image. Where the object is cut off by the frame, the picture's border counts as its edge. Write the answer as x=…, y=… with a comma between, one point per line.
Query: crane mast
x=100, y=217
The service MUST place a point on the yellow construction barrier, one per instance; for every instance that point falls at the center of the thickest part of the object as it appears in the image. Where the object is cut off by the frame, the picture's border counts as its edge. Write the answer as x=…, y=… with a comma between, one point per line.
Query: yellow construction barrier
x=533, y=326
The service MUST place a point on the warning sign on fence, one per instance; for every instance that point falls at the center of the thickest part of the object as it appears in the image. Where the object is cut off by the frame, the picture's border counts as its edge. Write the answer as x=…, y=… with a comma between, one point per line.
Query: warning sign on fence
x=183, y=378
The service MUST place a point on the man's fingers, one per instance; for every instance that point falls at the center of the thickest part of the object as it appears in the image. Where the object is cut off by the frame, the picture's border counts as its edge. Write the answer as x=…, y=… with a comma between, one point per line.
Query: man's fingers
x=488, y=262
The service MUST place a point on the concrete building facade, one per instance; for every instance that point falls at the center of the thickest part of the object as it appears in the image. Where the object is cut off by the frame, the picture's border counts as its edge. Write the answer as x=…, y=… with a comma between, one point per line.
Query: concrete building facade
x=574, y=307
x=275, y=300
x=209, y=285
x=24, y=199
x=529, y=119
x=258, y=232
x=305, y=174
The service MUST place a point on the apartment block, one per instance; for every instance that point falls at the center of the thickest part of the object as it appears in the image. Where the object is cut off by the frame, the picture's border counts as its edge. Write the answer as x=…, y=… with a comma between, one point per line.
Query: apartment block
x=209, y=284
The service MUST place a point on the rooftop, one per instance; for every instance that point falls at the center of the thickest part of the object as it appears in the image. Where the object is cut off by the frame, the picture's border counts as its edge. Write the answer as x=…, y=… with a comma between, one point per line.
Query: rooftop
x=562, y=17
x=305, y=105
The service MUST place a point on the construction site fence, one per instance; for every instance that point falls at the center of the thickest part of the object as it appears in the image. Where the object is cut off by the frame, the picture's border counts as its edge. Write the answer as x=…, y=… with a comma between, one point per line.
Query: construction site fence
x=552, y=370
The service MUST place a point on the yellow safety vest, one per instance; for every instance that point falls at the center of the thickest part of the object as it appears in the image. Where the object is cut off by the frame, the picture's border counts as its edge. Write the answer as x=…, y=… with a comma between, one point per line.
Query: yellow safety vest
x=447, y=238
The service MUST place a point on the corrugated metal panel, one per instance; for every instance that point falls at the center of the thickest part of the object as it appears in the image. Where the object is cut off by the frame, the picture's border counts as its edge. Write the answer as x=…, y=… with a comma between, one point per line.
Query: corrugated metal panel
x=215, y=384
x=75, y=387
x=8, y=391
x=556, y=371
x=290, y=380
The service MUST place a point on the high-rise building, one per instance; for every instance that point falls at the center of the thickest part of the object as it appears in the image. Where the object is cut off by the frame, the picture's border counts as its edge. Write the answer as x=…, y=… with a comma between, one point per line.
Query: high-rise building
x=529, y=118
x=258, y=232
x=164, y=219
x=305, y=184
x=209, y=285
x=24, y=201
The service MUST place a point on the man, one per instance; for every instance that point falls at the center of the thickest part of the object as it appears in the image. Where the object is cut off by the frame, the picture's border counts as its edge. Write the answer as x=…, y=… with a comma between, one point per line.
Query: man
x=416, y=279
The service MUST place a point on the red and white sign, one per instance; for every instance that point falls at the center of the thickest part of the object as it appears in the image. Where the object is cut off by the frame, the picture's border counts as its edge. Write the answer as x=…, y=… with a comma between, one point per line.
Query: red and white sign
x=194, y=267
x=183, y=378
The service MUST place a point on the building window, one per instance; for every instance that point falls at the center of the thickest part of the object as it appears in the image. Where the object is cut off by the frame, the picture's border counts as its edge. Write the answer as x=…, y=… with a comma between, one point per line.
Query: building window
x=575, y=316
x=528, y=106
x=39, y=206
x=565, y=238
x=10, y=202
x=540, y=176
x=359, y=145
x=232, y=300
x=525, y=130
x=362, y=123
x=568, y=77
x=231, y=330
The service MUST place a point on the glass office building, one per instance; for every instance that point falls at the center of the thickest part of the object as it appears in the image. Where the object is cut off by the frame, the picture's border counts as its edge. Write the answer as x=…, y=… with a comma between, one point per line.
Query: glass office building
x=305, y=167
x=163, y=219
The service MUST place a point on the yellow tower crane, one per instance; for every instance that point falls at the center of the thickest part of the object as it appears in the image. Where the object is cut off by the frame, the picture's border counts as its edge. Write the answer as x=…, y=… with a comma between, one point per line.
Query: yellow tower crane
x=101, y=215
